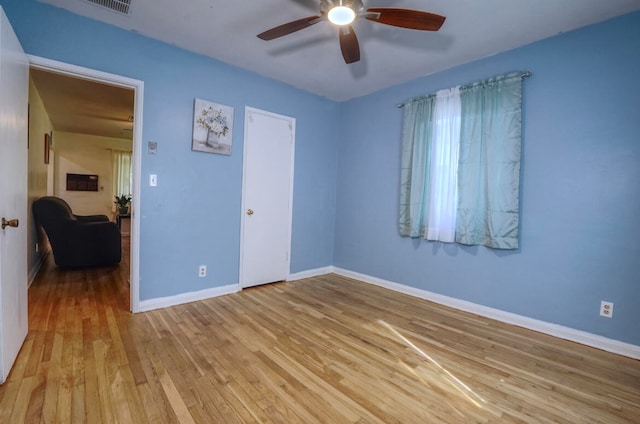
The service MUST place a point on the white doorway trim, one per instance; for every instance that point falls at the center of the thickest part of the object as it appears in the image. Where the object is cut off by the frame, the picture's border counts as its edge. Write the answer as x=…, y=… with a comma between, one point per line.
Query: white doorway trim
x=137, y=86
x=248, y=112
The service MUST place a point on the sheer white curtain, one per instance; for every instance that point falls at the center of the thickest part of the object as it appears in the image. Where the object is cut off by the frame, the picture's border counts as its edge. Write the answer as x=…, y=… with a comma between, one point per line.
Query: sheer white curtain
x=443, y=176
x=121, y=161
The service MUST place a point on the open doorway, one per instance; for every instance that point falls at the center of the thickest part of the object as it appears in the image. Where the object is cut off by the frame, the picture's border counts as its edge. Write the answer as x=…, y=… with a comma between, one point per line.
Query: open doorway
x=90, y=125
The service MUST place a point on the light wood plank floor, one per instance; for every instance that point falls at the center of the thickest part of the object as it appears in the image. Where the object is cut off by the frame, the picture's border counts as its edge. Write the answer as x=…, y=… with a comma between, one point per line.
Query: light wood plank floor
x=322, y=350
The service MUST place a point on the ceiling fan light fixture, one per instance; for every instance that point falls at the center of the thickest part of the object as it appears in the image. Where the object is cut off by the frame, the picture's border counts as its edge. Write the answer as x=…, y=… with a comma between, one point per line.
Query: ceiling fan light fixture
x=341, y=15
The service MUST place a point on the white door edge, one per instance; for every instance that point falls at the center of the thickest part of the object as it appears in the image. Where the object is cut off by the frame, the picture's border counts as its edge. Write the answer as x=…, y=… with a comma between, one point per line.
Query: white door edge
x=137, y=86
x=14, y=318
x=248, y=110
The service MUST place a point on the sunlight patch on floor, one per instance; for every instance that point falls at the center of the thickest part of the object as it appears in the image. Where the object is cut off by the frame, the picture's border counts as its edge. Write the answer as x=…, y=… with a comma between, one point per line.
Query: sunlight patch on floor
x=454, y=381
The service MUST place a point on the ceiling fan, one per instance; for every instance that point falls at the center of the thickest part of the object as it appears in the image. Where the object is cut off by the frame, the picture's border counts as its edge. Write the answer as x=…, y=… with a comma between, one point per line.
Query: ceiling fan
x=343, y=12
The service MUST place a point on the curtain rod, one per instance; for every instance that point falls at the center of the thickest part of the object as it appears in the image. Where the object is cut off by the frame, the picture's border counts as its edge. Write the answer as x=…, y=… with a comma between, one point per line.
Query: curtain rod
x=525, y=74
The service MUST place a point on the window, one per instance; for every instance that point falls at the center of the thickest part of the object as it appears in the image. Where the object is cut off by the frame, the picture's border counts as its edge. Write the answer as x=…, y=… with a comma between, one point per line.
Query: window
x=460, y=173
x=121, y=161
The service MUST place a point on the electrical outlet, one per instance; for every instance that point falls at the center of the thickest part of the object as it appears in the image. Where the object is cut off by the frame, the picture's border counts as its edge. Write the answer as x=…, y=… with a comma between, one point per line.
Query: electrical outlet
x=202, y=271
x=606, y=309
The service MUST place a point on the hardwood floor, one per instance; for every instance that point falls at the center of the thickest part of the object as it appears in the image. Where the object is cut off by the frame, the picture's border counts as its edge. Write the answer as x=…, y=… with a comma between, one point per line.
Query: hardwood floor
x=322, y=350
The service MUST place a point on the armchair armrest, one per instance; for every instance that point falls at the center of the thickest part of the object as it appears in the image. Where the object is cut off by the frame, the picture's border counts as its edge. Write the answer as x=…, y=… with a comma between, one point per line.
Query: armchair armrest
x=92, y=218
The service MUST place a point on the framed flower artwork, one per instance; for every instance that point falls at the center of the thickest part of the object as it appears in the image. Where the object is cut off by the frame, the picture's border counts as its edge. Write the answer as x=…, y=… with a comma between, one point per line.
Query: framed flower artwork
x=212, y=127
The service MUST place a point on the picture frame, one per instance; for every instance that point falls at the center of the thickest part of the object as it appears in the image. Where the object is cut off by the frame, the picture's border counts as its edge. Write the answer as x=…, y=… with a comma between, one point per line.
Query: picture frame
x=47, y=147
x=212, y=127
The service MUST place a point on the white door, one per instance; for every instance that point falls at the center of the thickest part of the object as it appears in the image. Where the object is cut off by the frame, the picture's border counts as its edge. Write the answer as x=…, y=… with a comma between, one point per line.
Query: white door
x=269, y=142
x=14, y=88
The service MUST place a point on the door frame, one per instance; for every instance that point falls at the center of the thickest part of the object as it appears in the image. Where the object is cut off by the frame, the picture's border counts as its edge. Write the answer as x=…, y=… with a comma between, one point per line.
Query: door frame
x=137, y=86
x=248, y=111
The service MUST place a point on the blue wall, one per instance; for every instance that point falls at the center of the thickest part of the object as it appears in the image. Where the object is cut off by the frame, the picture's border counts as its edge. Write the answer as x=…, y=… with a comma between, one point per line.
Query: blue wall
x=193, y=216
x=580, y=196
x=580, y=172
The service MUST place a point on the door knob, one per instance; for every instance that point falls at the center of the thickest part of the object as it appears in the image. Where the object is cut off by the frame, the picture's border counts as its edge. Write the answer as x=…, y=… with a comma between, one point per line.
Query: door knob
x=249, y=212
x=10, y=223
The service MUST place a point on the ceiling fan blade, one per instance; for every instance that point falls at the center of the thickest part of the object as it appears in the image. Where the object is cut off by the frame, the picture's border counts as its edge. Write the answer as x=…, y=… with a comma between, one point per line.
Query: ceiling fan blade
x=349, y=44
x=288, y=28
x=405, y=18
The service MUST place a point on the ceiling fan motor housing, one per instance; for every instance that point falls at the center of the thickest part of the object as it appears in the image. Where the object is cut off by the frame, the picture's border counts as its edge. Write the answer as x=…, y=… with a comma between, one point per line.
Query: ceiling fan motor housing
x=356, y=5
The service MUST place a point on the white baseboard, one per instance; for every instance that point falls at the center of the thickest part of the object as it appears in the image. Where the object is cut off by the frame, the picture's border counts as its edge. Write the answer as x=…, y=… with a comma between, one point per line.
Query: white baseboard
x=566, y=333
x=33, y=273
x=310, y=273
x=165, y=302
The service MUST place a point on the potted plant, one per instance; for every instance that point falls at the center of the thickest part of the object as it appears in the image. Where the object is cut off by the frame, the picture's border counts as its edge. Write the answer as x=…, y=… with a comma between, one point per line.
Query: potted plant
x=123, y=202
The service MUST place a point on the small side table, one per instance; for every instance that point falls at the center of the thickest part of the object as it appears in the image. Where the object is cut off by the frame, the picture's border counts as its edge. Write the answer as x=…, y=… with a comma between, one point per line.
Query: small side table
x=119, y=219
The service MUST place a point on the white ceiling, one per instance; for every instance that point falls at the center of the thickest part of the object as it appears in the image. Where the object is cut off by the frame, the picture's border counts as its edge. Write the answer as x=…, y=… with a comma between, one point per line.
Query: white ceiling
x=85, y=107
x=311, y=60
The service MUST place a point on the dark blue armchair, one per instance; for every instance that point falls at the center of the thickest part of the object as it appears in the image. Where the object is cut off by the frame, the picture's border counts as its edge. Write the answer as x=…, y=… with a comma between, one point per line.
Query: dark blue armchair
x=77, y=241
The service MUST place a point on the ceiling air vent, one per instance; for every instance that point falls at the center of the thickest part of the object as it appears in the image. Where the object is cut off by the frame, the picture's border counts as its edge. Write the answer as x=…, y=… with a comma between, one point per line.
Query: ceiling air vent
x=120, y=6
